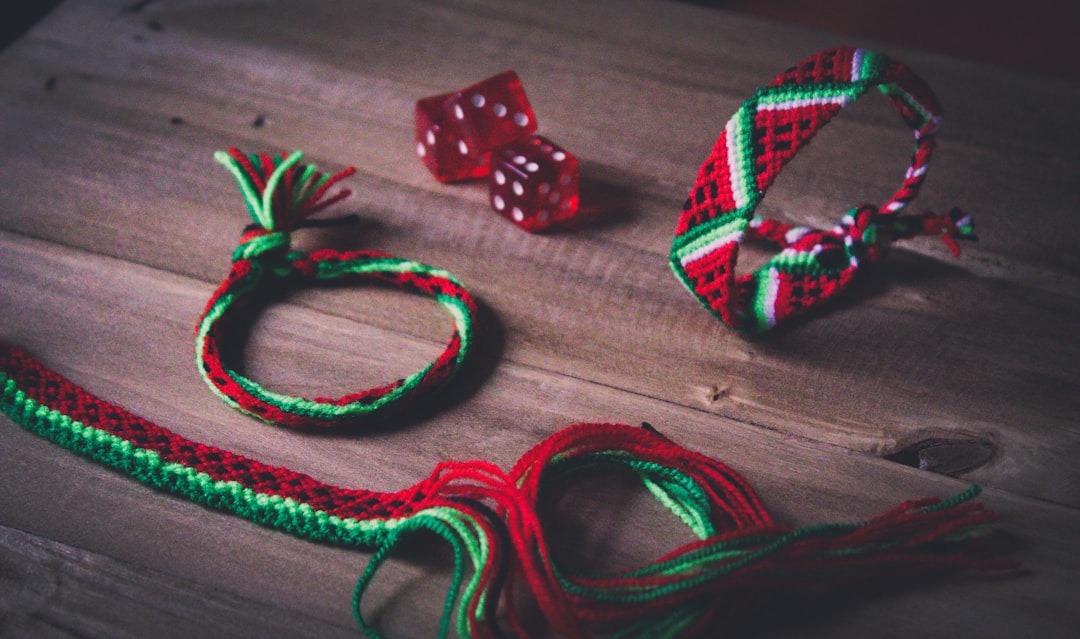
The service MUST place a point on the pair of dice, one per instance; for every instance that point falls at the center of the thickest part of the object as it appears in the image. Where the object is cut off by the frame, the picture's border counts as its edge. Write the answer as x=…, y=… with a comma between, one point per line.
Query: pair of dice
x=487, y=130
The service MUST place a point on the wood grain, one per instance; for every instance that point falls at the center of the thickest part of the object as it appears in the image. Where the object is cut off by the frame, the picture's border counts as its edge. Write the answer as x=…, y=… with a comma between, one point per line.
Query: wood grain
x=115, y=225
x=54, y=590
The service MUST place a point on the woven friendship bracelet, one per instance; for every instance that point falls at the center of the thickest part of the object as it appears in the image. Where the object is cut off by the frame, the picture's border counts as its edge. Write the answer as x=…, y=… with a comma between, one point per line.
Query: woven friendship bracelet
x=281, y=194
x=490, y=519
x=763, y=135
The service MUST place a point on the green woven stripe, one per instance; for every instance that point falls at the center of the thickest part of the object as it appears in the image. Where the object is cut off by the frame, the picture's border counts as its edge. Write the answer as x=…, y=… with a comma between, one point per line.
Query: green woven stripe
x=894, y=91
x=765, y=281
x=741, y=167
x=367, y=265
x=872, y=65
x=310, y=408
x=457, y=309
x=221, y=304
x=148, y=467
x=466, y=535
x=787, y=93
x=798, y=263
x=712, y=230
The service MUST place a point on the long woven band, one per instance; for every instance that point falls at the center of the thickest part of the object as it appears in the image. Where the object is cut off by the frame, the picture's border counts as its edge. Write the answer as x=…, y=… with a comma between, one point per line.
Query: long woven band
x=280, y=194
x=490, y=518
x=763, y=135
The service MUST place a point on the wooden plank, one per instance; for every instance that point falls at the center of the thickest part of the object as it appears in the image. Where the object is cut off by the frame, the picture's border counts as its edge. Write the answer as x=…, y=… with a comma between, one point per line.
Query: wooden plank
x=924, y=351
x=51, y=493
x=115, y=226
x=54, y=590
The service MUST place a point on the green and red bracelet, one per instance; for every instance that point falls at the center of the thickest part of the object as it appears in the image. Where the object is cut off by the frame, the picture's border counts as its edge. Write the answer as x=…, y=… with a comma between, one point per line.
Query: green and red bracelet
x=281, y=195
x=763, y=135
x=491, y=520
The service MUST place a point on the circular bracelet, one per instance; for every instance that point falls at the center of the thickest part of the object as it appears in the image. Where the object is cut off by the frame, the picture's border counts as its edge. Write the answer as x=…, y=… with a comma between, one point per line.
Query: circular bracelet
x=281, y=194
x=763, y=135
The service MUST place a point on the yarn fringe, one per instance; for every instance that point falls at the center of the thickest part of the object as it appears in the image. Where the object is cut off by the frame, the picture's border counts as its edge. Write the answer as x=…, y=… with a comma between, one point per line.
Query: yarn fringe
x=279, y=191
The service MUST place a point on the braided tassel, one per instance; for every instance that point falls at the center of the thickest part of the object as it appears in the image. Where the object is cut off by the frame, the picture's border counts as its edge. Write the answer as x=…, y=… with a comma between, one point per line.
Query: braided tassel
x=281, y=193
x=740, y=549
x=952, y=226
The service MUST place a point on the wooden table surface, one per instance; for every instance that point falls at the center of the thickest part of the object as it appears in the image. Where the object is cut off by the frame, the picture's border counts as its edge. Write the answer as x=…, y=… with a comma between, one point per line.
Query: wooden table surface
x=116, y=225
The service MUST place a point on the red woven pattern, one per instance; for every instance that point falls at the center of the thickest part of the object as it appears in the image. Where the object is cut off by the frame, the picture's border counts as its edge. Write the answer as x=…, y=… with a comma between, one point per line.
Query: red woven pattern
x=763, y=135
x=57, y=393
x=263, y=259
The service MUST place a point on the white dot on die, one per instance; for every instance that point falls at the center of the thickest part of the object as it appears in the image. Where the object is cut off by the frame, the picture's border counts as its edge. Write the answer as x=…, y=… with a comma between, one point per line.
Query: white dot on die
x=420, y=150
x=478, y=100
x=519, y=159
x=519, y=215
x=464, y=148
x=565, y=180
x=558, y=156
x=458, y=113
x=500, y=178
x=565, y=205
x=499, y=109
x=498, y=202
x=521, y=119
x=520, y=190
x=532, y=167
x=543, y=216
x=555, y=197
x=544, y=188
x=431, y=137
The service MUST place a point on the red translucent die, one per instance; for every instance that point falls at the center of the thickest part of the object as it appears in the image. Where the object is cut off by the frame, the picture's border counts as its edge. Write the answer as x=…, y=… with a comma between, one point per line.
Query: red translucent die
x=440, y=145
x=492, y=113
x=534, y=183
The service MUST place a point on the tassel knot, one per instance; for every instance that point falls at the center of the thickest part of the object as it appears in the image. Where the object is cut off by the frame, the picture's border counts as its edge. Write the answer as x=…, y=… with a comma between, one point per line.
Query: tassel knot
x=950, y=227
x=257, y=241
x=280, y=191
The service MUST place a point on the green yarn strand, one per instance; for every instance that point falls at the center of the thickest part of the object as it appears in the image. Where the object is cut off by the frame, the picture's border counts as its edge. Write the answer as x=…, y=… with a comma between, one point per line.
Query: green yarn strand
x=250, y=193
x=268, y=221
